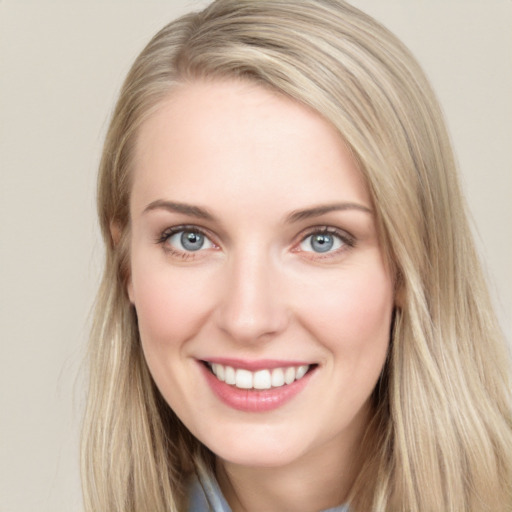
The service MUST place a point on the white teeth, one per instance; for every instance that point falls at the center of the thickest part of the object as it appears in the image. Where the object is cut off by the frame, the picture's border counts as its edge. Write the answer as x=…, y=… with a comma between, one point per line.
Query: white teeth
x=261, y=379
x=229, y=375
x=289, y=375
x=301, y=371
x=243, y=379
x=277, y=378
x=218, y=370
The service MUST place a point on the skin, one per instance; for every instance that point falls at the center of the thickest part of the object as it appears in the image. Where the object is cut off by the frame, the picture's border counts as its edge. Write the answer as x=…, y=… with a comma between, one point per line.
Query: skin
x=258, y=289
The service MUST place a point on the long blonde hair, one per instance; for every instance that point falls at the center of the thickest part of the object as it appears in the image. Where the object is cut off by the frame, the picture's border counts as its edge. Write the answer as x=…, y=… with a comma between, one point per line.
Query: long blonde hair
x=441, y=436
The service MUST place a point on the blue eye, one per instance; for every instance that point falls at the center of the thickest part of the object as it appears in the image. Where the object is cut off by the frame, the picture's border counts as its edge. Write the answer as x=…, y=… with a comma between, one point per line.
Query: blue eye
x=188, y=241
x=321, y=242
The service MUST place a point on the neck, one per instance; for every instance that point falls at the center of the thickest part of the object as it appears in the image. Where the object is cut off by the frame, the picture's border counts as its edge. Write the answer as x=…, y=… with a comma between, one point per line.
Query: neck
x=319, y=480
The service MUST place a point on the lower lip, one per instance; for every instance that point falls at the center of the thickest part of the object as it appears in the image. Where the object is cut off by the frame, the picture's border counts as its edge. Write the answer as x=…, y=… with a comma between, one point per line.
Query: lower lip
x=250, y=400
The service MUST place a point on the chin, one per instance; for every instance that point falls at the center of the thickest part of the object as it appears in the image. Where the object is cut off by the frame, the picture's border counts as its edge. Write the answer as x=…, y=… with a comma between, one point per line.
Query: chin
x=257, y=458
x=263, y=450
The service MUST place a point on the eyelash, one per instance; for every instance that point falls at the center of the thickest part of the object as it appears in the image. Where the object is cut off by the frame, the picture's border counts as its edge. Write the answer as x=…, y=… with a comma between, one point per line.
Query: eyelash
x=348, y=241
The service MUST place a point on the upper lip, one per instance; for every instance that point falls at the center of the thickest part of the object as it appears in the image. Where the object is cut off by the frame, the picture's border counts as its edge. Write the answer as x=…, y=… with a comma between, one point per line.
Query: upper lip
x=255, y=364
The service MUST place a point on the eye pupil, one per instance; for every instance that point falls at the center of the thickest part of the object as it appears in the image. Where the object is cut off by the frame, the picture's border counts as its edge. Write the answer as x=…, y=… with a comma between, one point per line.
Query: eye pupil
x=322, y=242
x=192, y=241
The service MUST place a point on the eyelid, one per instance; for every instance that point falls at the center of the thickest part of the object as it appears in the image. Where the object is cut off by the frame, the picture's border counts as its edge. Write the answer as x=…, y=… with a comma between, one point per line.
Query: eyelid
x=326, y=229
x=172, y=230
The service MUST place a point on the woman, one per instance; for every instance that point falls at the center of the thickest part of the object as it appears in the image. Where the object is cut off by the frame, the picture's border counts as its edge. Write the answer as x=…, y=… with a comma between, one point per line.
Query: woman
x=292, y=315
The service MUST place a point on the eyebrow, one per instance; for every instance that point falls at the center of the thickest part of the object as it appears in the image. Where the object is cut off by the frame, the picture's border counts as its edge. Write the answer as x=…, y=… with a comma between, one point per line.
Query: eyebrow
x=317, y=211
x=176, y=207
x=295, y=216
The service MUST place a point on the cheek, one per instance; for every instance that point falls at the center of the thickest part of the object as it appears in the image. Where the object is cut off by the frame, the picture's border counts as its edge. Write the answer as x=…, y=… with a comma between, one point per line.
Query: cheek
x=170, y=306
x=171, y=309
x=352, y=315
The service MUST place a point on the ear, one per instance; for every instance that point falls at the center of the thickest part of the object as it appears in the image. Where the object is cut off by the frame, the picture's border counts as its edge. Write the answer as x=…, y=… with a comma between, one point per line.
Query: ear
x=115, y=233
x=129, y=290
x=399, y=291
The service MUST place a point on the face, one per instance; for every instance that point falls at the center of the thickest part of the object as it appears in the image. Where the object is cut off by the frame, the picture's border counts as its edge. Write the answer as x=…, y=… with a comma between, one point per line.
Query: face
x=263, y=299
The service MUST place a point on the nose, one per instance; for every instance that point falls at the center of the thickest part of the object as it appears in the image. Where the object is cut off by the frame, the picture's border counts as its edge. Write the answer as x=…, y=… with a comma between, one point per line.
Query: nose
x=252, y=307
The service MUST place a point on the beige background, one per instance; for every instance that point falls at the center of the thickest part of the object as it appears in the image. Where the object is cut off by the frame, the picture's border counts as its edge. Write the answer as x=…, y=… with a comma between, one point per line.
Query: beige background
x=61, y=64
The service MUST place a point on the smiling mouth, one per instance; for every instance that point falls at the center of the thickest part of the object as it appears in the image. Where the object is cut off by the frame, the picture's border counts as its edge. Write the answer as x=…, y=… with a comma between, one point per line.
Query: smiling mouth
x=258, y=380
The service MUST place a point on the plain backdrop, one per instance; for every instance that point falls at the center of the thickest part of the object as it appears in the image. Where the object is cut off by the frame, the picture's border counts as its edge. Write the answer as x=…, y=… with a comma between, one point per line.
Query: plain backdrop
x=61, y=65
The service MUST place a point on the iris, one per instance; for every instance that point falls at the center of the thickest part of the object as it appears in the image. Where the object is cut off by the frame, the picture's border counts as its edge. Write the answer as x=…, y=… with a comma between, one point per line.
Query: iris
x=191, y=241
x=322, y=242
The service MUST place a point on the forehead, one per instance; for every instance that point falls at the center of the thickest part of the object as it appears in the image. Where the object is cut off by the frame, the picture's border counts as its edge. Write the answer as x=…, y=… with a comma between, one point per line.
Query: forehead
x=233, y=137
